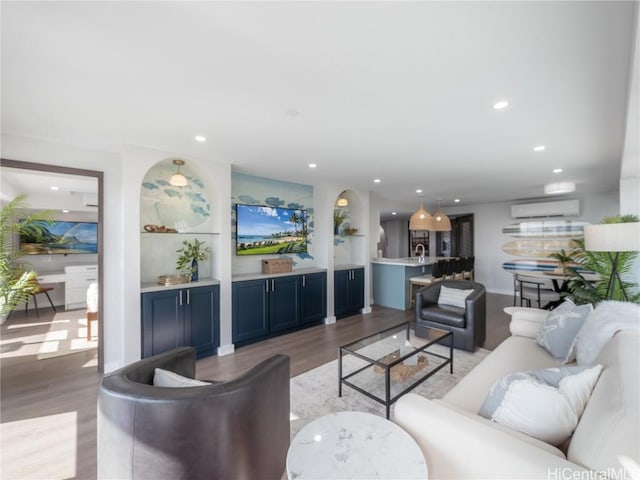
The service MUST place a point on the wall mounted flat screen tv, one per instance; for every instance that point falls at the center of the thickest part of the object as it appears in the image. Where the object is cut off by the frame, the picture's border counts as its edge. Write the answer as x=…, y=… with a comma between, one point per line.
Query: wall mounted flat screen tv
x=61, y=238
x=262, y=230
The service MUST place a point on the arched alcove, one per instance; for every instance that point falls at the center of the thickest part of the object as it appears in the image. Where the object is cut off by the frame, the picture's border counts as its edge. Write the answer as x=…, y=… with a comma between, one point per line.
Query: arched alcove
x=172, y=214
x=349, y=245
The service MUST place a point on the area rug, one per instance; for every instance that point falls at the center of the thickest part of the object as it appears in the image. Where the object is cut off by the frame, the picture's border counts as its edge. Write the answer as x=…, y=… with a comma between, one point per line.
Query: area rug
x=315, y=393
x=68, y=334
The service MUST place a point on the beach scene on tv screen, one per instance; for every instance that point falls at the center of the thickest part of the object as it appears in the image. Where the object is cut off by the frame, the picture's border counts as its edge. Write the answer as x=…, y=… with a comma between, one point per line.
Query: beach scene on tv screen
x=61, y=237
x=263, y=230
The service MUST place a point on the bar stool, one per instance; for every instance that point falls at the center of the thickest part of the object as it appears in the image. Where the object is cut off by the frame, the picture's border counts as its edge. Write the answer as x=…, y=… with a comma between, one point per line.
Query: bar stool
x=422, y=280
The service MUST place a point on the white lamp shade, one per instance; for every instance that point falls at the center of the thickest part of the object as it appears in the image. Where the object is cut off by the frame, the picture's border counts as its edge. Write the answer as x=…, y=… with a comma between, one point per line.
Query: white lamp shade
x=178, y=180
x=421, y=220
x=612, y=237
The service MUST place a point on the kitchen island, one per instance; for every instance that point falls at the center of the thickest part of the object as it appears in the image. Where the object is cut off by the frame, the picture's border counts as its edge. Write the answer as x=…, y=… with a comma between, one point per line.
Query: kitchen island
x=391, y=279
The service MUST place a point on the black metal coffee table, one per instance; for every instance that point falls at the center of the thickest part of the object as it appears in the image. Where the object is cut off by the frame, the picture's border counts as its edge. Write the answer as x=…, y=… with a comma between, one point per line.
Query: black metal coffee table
x=386, y=365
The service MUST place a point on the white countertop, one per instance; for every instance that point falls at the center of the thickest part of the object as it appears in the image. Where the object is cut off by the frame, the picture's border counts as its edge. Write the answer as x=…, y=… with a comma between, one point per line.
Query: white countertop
x=147, y=287
x=408, y=261
x=258, y=275
x=346, y=266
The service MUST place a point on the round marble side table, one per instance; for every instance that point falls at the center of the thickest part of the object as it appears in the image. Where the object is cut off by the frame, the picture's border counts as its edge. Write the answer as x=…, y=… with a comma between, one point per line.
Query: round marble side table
x=354, y=445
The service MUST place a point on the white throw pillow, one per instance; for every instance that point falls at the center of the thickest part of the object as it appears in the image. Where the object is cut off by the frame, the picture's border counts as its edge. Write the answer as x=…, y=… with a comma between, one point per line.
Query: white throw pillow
x=602, y=324
x=559, y=333
x=166, y=378
x=545, y=404
x=453, y=296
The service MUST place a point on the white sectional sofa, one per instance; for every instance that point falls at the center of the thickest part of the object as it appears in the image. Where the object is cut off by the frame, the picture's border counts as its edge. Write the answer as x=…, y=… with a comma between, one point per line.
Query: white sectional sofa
x=458, y=443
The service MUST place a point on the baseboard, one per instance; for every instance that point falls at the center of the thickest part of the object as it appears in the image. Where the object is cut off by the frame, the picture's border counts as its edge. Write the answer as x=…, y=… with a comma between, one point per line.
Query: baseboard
x=330, y=320
x=226, y=350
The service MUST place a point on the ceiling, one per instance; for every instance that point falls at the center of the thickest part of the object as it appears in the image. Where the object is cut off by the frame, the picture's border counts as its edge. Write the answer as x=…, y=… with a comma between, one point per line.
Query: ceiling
x=398, y=91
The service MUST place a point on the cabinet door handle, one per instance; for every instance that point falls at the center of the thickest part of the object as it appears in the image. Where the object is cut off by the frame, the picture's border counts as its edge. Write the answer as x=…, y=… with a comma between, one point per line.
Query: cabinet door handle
x=188, y=297
x=180, y=297
x=267, y=281
x=273, y=285
x=304, y=278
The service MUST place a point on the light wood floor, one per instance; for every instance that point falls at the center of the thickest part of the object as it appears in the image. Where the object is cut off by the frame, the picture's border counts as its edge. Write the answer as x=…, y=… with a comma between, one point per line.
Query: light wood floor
x=48, y=407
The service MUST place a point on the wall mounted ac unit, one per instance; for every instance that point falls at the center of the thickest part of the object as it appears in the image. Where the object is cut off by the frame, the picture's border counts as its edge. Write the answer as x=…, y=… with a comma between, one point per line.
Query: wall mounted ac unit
x=563, y=208
x=90, y=199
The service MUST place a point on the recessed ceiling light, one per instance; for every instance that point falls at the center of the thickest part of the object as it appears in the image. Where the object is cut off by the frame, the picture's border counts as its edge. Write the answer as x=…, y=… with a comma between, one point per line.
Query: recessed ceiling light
x=65, y=211
x=419, y=190
x=500, y=105
x=312, y=165
x=457, y=200
x=557, y=170
x=558, y=188
x=377, y=180
x=55, y=188
x=200, y=138
x=394, y=213
x=539, y=148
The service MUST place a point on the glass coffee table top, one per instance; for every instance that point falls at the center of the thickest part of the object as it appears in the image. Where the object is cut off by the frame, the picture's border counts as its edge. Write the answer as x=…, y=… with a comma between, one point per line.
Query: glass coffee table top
x=390, y=363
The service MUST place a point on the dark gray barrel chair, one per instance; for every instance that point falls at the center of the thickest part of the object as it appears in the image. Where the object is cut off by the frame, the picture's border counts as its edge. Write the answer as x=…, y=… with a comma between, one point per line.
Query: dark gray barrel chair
x=468, y=325
x=228, y=430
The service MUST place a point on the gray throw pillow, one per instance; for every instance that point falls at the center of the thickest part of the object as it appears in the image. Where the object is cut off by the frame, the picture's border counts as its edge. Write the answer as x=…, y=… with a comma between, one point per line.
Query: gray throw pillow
x=455, y=297
x=559, y=334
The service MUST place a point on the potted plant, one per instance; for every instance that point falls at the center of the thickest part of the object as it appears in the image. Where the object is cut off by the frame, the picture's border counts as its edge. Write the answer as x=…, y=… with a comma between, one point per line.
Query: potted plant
x=17, y=280
x=582, y=291
x=189, y=255
x=564, y=260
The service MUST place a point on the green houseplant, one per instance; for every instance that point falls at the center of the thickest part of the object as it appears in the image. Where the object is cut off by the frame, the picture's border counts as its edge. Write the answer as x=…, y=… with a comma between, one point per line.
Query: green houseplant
x=189, y=255
x=582, y=291
x=17, y=280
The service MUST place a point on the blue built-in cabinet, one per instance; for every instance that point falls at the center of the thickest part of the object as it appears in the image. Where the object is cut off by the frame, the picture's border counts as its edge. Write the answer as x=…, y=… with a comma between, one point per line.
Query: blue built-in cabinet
x=179, y=316
x=272, y=305
x=348, y=291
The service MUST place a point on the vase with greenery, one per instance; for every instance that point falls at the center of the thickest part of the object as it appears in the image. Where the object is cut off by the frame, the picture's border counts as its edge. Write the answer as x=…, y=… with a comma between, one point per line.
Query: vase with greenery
x=189, y=255
x=582, y=291
x=17, y=279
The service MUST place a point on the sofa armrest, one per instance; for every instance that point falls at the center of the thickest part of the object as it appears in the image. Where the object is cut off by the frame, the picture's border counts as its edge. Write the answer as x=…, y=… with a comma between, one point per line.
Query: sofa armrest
x=456, y=446
x=526, y=322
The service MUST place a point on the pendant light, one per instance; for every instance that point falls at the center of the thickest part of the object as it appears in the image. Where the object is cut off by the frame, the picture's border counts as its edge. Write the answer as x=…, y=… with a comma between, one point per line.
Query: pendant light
x=441, y=222
x=342, y=200
x=421, y=219
x=178, y=179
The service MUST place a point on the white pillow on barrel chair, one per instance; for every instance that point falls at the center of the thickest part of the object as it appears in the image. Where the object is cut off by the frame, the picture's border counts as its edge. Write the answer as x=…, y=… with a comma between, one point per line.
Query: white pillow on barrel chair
x=453, y=296
x=166, y=378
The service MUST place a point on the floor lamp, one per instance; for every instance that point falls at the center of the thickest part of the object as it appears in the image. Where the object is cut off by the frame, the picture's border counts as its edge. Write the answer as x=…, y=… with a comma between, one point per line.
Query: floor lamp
x=613, y=238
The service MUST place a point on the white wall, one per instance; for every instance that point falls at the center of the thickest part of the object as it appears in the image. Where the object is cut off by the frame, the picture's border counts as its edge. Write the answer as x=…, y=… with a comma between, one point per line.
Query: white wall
x=123, y=174
x=488, y=237
x=397, y=238
x=39, y=151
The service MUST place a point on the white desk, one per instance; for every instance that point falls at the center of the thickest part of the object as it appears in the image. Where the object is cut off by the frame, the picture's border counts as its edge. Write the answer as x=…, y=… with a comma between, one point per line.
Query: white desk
x=51, y=277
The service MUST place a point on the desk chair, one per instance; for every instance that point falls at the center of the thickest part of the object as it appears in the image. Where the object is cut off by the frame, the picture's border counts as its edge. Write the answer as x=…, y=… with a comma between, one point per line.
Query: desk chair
x=40, y=289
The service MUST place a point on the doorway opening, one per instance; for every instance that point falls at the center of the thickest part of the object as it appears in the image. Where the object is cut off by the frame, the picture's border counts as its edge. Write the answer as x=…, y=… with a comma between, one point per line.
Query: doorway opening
x=38, y=173
x=459, y=241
